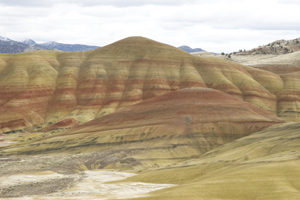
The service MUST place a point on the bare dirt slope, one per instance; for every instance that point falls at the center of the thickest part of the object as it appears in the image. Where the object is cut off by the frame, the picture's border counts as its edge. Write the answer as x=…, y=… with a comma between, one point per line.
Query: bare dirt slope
x=263, y=165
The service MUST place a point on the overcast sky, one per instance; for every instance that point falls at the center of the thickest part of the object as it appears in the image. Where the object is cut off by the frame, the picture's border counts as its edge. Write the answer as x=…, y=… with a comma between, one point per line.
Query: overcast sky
x=214, y=25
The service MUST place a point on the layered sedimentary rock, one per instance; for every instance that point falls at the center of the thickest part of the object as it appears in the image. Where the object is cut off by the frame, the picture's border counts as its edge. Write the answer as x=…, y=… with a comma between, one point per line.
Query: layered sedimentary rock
x=159, y=131
x=46, y=87
x=287, y=68
x=289, y=98
x=185, y=111
x=64, y=124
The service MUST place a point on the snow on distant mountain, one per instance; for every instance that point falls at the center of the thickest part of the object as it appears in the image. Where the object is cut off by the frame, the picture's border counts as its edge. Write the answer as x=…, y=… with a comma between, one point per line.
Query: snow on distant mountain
x=10, y=46
x=4, y=39
x=66, y=47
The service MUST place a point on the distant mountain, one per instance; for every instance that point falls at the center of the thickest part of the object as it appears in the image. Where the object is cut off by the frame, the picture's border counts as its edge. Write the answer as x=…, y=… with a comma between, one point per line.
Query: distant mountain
x=10, y=46
x=4, y=38
x=190, y=50
x=29, y=42
x=278, y=47
x=66, y=47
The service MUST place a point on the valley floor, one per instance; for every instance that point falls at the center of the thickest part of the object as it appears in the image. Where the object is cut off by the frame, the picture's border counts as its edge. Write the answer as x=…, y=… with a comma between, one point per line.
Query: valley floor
x=48, y=185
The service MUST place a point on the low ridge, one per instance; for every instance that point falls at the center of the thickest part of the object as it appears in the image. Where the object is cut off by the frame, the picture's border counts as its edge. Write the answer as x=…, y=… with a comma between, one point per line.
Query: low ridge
x=275, y=48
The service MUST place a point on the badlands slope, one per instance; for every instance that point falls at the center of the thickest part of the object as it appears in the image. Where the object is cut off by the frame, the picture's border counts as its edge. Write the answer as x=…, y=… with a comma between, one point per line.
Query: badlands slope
x=45, y=87
x=281, y=57
x=159, y=131
x=145, y=97
x=287, y=66
x=264, y=165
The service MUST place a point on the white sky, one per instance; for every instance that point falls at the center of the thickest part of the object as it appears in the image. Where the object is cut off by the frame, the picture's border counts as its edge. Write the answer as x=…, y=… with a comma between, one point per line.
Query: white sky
x=214, y=25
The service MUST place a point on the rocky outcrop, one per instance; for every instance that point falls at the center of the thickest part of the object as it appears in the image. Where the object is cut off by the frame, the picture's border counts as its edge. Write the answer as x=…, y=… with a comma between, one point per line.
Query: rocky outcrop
x=278, y=47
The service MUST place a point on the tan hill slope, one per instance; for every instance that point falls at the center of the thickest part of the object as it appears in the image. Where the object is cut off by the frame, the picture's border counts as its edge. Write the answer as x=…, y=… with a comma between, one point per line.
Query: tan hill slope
x=263, y=165
x=159, y=131
x=46, y=87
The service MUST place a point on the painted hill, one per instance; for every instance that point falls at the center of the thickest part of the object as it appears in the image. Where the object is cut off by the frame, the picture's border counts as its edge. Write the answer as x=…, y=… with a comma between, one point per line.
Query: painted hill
x=10, y=46
x=46, y=87
x=287, y=66
x=159, y=131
